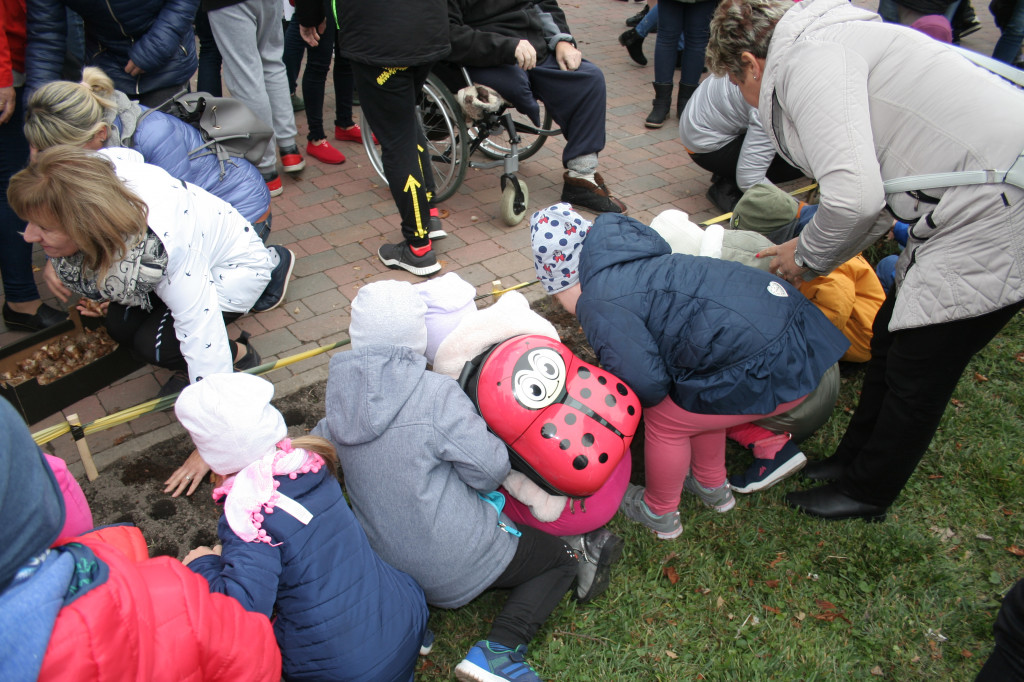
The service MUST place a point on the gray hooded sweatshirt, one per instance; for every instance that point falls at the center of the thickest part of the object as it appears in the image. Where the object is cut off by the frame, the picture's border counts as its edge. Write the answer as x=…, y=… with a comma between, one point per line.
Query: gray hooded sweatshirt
x=414, y=452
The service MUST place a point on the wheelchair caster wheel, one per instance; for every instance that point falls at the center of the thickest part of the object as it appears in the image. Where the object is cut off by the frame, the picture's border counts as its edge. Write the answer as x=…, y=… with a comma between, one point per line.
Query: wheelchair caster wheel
x=509, y=205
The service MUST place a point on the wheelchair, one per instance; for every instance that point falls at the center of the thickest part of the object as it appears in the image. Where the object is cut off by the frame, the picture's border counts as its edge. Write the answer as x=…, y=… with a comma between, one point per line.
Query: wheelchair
x=504, y=137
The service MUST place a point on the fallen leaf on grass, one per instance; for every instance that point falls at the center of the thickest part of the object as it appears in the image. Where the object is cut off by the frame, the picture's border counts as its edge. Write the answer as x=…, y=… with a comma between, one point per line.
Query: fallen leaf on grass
x=980, y=377
x=877, y=671
x=719, y=603
x=772, y=584
x=671, y=654
x=702, y=590
x=800, y=615
x=943, y=534
x=932, y=477
x=771, y=609
x=982, y=536
x=1015, y=550
x=775, y=562
x=826, y=605
x=915, y=659
x=671, y=574
x=956, y=403
x=936, y=651
x=1019, y=356
x=965, y=653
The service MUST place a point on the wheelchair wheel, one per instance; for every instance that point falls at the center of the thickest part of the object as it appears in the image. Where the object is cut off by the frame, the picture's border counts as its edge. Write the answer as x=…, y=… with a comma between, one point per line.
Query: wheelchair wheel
x=508, y=203
x=496, y=146
x=445, y=129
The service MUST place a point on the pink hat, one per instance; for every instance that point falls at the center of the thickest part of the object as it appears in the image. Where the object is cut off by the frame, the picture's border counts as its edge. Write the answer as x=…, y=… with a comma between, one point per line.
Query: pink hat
x=936, y=26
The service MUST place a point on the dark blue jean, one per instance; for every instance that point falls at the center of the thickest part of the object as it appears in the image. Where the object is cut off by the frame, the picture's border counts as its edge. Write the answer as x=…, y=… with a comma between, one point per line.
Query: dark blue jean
x=314, y=78
x=15, y=252
x=208, y=76
x=690, y=20
x=1008, y=46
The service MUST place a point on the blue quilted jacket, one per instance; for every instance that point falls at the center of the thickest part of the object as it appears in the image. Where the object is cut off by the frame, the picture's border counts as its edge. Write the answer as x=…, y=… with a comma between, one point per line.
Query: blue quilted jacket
x=165, y=141
x=155, y=34
x=716, y=336
x=342, y=613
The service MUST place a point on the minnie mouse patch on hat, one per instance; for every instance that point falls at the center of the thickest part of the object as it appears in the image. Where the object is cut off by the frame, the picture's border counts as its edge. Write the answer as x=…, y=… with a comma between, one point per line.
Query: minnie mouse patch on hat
x=557, y=234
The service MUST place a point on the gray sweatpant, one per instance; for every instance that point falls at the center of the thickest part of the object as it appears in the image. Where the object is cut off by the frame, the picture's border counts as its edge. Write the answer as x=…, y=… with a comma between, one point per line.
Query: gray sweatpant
x=251, y=42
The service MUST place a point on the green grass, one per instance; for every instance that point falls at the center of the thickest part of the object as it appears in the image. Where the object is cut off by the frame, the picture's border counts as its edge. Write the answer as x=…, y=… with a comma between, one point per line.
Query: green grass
x=766, y=593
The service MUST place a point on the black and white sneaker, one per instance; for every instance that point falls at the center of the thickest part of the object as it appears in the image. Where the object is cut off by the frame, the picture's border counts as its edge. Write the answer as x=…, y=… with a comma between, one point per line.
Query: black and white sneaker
x=434, y=225
x=399, y=256
x=273, y=295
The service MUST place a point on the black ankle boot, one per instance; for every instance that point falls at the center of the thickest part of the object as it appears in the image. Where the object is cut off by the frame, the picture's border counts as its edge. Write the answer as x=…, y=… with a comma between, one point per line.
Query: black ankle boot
x=685, y=92
x=662, y=105
x=251, y=358
x=638, y=17
x=634, y=44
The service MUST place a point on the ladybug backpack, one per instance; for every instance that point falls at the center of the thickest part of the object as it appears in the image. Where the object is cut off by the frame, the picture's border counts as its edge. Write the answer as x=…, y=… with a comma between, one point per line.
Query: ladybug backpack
x=566, y=422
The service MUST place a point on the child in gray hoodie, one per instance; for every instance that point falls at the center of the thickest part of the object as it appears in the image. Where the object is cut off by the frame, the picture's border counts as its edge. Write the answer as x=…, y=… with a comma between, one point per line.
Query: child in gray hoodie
x=421, y=470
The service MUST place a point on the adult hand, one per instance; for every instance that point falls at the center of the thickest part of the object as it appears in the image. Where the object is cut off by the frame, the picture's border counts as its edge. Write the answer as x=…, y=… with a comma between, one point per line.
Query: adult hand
x=188, y=476
x=6, y=104
x=311, y=34
x=201, y=551
x=132, y=70
x=783, y=263
x=54, y=284
x=568, y=57
x=90, y=308
x=526, y=56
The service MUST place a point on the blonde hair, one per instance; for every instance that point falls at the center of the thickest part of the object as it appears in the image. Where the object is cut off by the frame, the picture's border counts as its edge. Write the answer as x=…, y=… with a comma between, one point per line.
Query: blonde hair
x=739, y=26
x=320, y=446
x=63, y=112
x=80, y=192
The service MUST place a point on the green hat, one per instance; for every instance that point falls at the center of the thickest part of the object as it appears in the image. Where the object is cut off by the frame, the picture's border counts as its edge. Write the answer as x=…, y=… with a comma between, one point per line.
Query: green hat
x=764, y=209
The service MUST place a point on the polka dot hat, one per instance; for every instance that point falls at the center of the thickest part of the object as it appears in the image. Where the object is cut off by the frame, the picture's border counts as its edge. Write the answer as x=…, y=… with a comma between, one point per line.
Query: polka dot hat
x=557, y=234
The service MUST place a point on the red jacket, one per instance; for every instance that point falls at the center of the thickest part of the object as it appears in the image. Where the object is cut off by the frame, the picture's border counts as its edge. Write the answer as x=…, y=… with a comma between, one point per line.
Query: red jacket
x=12, y=40
x=154, y=619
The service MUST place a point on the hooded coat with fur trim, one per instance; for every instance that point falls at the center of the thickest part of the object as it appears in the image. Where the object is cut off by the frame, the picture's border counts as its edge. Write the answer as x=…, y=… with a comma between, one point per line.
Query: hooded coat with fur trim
x=715, y=336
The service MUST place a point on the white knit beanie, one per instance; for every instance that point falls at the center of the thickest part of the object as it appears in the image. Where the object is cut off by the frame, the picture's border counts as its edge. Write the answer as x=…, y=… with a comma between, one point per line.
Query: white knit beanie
x=389, y=312
x=449, y=298
x=231, y=420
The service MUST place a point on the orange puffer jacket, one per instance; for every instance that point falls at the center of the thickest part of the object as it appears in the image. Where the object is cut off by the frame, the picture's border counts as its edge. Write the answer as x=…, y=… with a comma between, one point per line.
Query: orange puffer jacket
x=153, y=619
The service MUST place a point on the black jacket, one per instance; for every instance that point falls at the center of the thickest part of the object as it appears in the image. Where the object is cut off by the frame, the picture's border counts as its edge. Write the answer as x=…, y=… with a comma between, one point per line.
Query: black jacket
x=383, y=32
x=486, y=32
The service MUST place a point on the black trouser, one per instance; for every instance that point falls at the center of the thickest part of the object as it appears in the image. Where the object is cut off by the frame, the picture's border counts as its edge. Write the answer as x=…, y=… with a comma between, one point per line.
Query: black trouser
x=907, y=386
x=149, y=335
x=1007, y=660
x=539, y=575
x=389, y=97
x=723, y=162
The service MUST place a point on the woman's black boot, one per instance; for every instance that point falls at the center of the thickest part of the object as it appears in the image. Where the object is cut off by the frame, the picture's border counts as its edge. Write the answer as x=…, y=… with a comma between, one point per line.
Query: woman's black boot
x=685, y=92
x=662, y=105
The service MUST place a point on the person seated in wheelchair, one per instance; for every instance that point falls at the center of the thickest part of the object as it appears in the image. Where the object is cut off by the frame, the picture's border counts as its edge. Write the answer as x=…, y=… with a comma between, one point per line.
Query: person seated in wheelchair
x=525, y=50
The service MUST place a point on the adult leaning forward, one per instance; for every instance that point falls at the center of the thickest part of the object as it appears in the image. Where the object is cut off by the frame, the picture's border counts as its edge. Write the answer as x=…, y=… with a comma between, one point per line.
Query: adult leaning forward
x=171, y=262
x=854, y=103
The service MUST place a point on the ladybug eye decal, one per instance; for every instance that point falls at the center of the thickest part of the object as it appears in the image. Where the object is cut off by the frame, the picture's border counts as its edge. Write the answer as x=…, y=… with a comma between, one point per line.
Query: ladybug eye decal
x=540, y=380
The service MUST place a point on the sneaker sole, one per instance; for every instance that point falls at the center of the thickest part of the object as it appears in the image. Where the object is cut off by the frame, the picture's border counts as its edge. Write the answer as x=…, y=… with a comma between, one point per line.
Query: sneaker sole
x=794, y=465
x=437, y=234
x=284, y=291
x=296, y=168
x=471, y=672
x=396, y=264
x=276, y=192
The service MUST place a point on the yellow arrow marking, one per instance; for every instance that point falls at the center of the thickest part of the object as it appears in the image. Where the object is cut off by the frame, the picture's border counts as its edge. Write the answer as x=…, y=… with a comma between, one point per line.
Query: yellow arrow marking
x=419, y=160
x=411, y=185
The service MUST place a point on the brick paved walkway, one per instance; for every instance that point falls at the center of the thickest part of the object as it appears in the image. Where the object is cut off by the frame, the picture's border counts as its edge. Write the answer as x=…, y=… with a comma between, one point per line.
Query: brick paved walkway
x=335, y=217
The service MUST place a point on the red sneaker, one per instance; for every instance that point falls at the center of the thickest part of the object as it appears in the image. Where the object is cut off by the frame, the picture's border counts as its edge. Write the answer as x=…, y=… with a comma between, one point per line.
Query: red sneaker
x=324, y=152
x=274, y=185
x=353, y=134
x=291, y=159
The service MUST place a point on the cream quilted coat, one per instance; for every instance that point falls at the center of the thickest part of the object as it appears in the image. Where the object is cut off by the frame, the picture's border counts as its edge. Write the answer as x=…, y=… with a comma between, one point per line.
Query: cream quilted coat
x=853, y=102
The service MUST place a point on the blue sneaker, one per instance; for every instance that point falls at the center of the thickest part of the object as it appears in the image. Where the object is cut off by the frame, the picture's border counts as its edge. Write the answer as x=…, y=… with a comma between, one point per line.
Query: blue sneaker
x=493, y=662
x=764, y=473
x=428, y=643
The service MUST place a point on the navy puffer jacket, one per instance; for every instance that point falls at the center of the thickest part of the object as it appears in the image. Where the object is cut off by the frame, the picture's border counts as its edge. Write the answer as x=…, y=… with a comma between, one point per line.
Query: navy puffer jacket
x=156, y=35
x=716, y=336
x=342, y=612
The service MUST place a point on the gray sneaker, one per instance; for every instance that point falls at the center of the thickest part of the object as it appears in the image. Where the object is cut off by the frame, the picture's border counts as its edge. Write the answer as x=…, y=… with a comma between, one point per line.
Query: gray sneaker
x=398, y=256
x=665, y=526
x=720, y=499
x=597, y=551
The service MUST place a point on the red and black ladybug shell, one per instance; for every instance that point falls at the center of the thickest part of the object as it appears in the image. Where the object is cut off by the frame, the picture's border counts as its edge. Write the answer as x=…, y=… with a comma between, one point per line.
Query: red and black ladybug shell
x=566, y=422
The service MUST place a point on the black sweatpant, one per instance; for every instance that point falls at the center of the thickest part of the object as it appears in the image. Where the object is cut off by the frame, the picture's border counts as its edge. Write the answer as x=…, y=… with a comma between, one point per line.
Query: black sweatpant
x=1006, y=664
x=540, y=573
x=149, y=335
x=723, y=162
x=389, y=97
x=907, y=386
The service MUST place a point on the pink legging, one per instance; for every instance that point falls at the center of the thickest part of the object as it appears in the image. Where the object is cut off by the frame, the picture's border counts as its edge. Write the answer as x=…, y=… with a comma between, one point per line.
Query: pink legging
x=678, y=440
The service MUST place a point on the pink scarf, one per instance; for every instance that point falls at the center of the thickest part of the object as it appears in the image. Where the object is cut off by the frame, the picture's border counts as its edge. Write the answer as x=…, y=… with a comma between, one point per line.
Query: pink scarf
x=253, y=490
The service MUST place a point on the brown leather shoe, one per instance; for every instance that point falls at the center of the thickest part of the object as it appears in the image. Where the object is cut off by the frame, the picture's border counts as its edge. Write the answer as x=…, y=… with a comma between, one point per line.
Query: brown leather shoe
x=591, y=195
